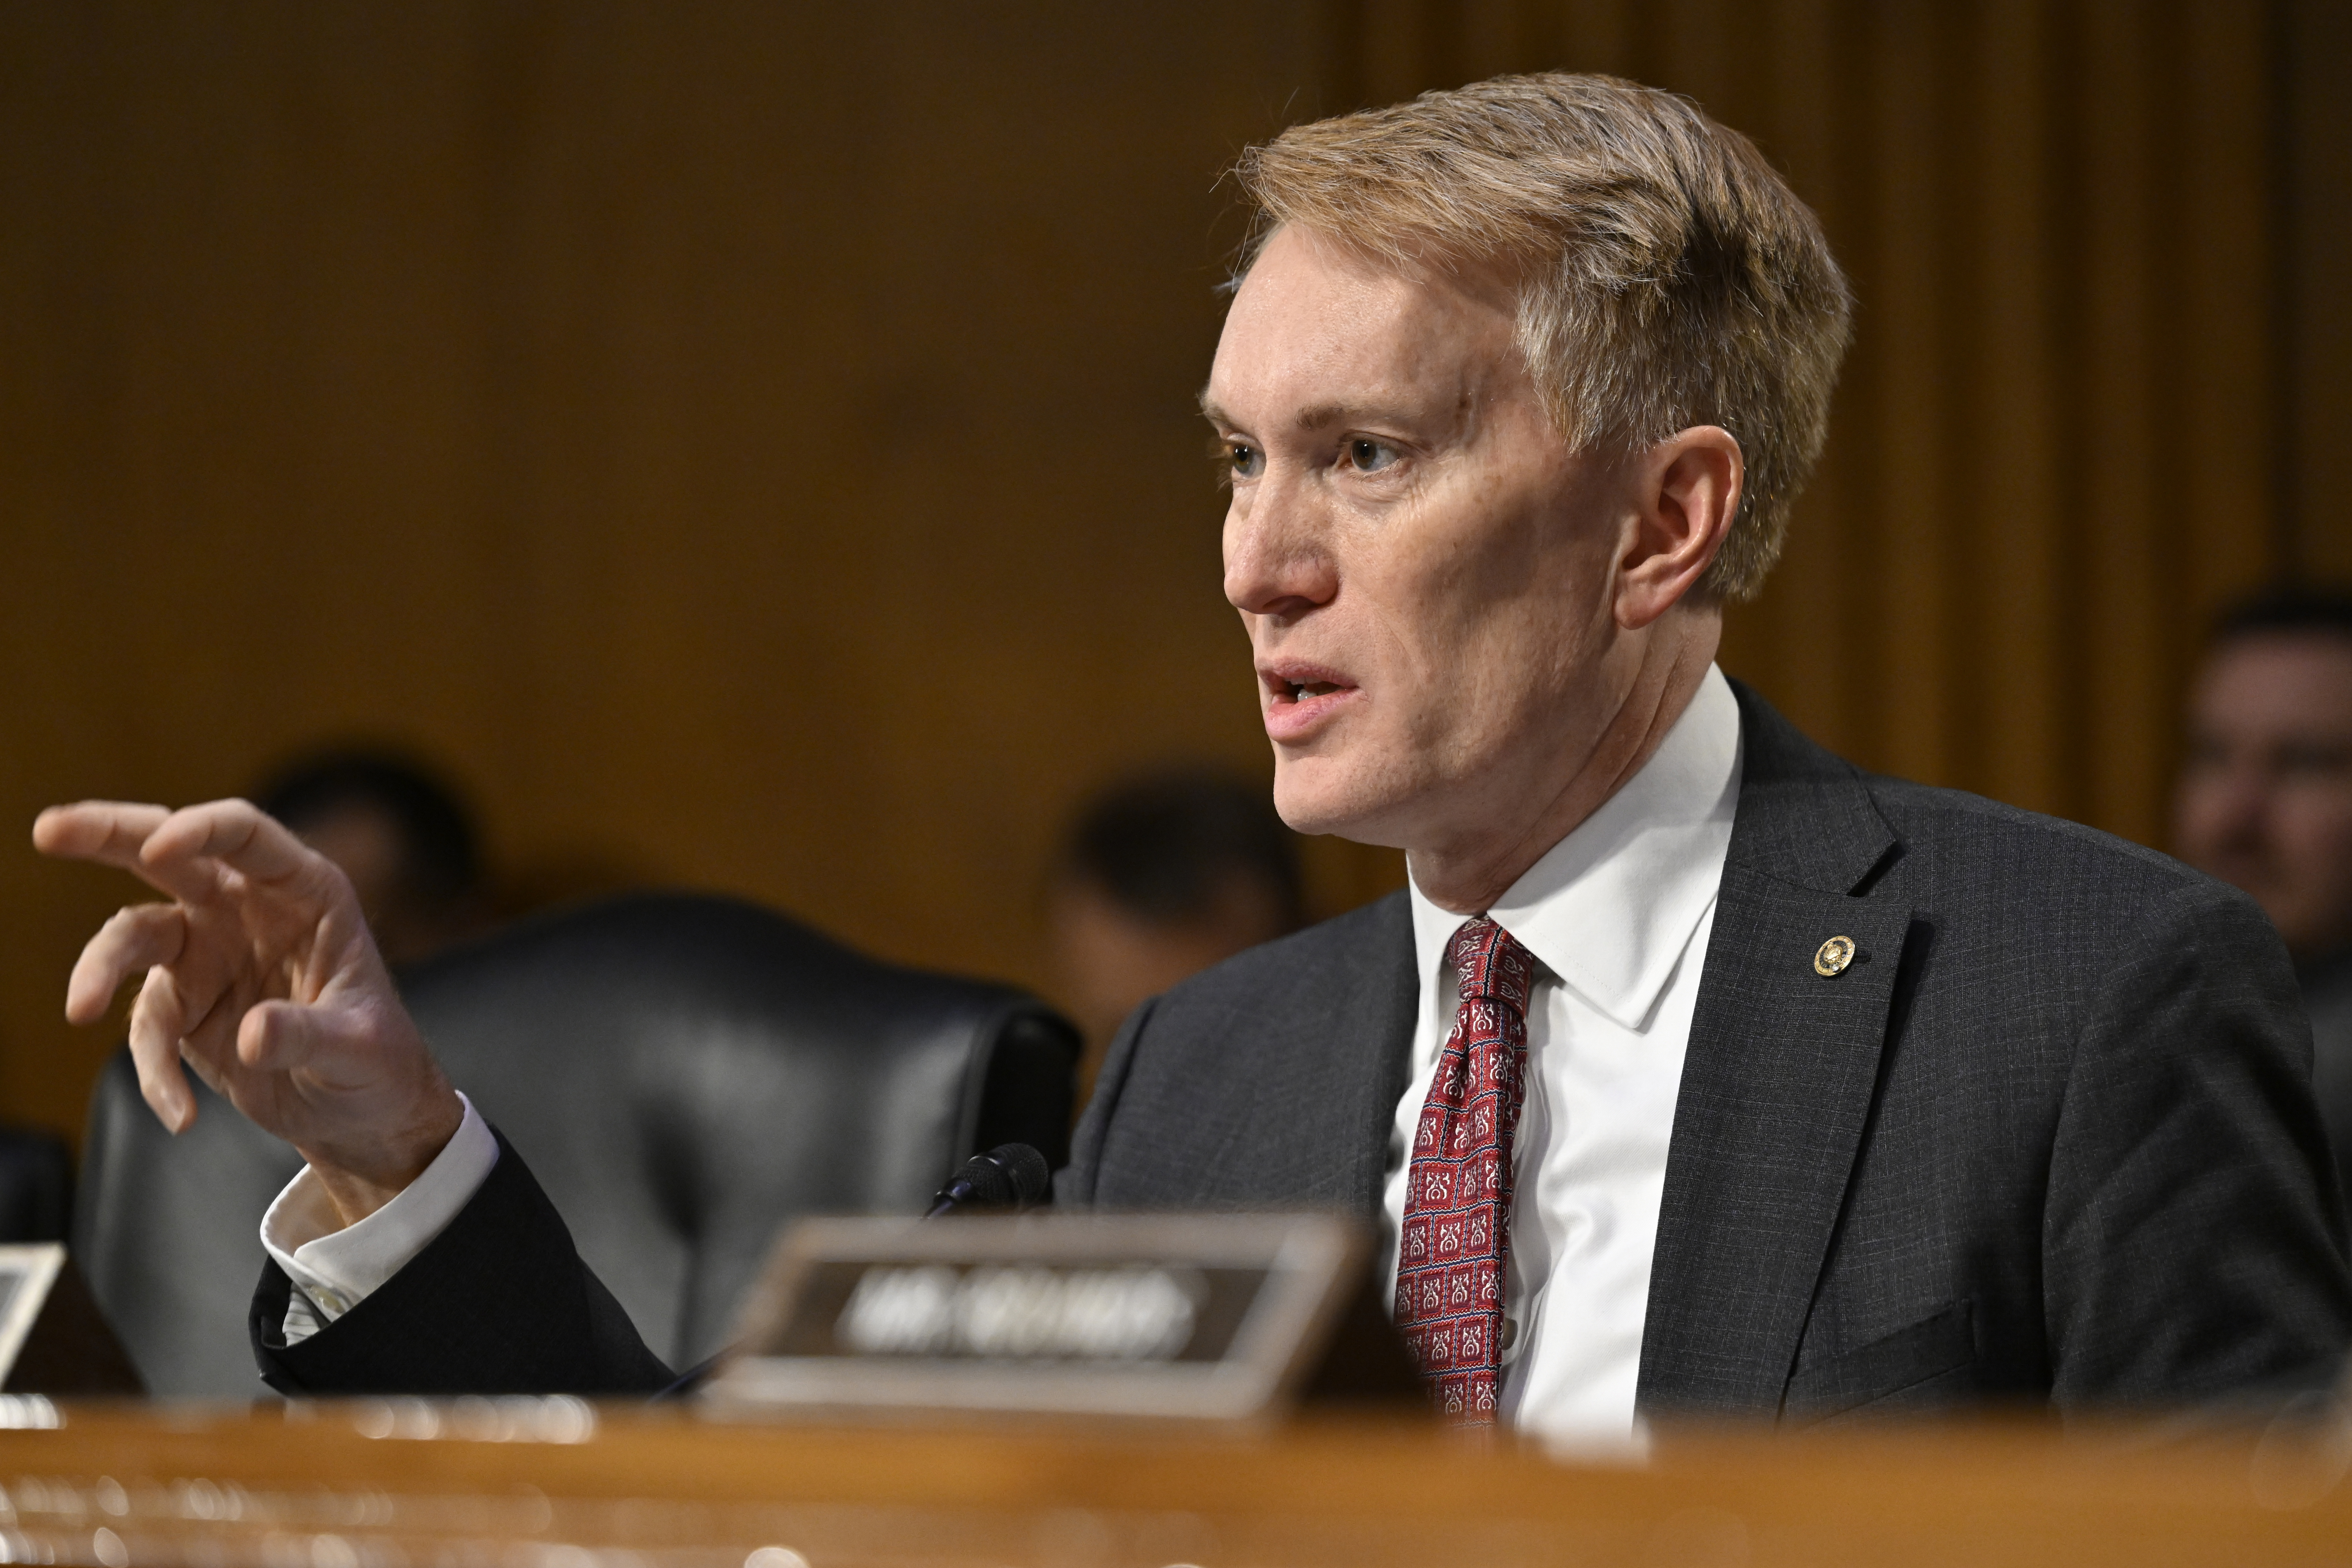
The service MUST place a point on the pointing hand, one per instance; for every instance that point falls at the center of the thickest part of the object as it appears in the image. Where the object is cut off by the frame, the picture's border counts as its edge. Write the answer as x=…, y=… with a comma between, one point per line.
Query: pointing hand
x=261, y=977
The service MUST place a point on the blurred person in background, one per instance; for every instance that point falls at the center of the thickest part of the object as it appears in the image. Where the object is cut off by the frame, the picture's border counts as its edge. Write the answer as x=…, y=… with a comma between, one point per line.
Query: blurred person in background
x=402, y=835
x=2265, y=803
x=1159, y=876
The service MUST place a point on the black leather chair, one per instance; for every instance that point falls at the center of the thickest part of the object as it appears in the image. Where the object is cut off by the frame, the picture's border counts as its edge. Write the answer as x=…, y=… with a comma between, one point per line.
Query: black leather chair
x=36, y=1186
x=683, y=1073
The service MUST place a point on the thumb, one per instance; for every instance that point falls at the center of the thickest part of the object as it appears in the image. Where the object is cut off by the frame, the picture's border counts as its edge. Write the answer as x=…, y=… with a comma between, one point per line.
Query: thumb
x=279, y=1036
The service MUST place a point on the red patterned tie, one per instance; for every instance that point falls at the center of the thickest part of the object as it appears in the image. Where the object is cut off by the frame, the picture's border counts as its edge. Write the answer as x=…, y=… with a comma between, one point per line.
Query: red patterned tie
x=1458, y=1202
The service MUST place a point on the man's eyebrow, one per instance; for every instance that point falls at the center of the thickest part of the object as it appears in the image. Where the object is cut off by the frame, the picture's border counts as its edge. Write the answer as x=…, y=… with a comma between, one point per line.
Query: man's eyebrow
x=1323, y=415
x=1320, y=416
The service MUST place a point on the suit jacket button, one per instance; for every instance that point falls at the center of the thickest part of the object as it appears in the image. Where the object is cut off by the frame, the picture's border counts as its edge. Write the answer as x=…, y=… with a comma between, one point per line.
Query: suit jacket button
x=1833, y=956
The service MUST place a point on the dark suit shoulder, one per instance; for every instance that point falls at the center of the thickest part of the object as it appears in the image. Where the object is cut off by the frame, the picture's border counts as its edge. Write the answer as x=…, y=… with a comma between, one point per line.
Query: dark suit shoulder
x=2040, y=929
x=1924, y=811
x=1264, y=1081
x=1807, y=815
x=2047, y=879
x=1299, y=971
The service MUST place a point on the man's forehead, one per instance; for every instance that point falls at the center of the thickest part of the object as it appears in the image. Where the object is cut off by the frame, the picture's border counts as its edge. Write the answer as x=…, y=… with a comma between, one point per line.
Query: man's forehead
x=2310, y=653
x=1316, y=286
x=2277, y=681
x=1317, y=337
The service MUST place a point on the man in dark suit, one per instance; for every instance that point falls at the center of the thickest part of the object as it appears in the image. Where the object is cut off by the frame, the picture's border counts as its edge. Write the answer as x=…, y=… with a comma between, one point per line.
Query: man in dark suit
x=1693, y=1071
x=2047, y=1137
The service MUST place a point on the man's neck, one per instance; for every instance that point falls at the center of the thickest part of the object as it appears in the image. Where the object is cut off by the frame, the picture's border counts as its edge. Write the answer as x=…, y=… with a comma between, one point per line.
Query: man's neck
x=1470, y=876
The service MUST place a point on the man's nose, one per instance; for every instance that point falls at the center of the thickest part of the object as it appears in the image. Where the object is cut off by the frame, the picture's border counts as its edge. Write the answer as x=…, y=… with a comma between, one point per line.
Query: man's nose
x=1277, y=556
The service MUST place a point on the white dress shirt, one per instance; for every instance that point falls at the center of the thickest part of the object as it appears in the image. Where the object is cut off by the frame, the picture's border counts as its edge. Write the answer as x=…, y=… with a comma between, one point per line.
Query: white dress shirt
x=1617, y=916
x=334, y=1267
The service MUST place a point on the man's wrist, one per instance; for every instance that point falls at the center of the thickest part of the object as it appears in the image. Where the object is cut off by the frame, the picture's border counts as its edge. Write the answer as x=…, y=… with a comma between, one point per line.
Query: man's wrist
x=359, y=1180
x=335, y=1265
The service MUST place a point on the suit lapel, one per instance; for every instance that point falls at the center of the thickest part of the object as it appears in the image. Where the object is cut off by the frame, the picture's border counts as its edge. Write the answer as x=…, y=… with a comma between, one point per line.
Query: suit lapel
x=1778, y=1080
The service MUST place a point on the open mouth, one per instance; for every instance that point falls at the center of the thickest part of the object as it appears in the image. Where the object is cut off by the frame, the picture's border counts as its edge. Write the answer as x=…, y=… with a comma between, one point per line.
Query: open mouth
x=1301, y=698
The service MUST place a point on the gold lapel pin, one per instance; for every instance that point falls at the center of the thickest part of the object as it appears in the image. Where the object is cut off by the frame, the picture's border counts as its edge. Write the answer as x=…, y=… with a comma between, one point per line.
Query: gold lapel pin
x=1833, y=956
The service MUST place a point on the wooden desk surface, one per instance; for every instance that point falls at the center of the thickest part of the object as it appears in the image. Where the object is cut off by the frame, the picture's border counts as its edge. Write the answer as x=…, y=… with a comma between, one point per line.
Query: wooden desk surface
x=557, y=1484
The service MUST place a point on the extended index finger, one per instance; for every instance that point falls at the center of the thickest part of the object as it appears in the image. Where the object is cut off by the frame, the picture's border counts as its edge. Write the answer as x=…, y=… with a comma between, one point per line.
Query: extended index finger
x=110, y=832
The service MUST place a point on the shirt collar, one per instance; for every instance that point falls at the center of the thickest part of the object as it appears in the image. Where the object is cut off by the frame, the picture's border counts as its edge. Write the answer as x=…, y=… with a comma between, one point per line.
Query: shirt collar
x=1609, y=908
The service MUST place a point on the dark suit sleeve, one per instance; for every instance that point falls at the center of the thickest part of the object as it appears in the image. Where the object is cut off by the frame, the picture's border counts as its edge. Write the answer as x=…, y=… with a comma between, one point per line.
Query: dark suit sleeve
x=1074, y=1184
x=2193, y=1242
x=498, y=1303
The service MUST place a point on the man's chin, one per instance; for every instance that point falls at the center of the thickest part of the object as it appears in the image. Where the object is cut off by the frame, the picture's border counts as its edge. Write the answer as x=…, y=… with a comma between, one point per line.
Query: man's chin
x=1317, y=795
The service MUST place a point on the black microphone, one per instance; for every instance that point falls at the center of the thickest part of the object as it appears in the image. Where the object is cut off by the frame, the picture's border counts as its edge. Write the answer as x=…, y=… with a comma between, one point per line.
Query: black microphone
x=1009, y=1176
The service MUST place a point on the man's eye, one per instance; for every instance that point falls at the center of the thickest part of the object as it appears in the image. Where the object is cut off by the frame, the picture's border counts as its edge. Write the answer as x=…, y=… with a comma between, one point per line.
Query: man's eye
x=1368, y=456
x=1248, y=461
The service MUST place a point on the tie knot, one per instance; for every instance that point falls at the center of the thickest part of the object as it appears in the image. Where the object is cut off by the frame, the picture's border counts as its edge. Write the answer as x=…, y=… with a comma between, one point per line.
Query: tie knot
x=1488, y=962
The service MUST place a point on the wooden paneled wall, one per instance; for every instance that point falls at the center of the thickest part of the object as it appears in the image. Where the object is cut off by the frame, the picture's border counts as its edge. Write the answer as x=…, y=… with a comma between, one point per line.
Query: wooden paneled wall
x=751, y=444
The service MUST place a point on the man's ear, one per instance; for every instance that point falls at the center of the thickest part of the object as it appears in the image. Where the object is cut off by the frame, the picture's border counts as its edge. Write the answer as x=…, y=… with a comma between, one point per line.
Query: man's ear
x=1686, y=492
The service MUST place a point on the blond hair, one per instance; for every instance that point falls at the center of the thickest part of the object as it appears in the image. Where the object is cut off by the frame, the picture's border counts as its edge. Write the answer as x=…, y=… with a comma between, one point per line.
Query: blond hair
x=1667, y=276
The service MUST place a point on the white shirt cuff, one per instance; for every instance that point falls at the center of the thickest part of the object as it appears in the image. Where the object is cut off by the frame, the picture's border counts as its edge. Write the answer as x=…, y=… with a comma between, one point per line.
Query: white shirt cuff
x=335, y=1267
